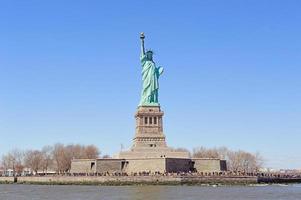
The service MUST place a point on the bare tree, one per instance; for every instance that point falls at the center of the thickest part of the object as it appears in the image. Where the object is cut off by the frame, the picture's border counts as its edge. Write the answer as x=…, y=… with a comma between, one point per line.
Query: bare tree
x=91, y=151
x=75, y=151
x=238, y=161
x=259, y=161
x=242, y=161
x=47, y=158
x=223, y=152
x=33, y=160
x=14, y=160
x=63, y=155
x=6, y=162
x=202, y=152
x=60, y=158
x=18, y=156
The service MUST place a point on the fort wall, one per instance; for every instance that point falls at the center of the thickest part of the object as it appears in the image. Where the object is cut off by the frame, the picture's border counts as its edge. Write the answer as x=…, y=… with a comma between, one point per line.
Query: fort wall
x=209, y=165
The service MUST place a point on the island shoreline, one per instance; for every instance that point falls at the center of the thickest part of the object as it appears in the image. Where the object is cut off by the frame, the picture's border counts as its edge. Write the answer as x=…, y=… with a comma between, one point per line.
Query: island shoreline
x=146, y=180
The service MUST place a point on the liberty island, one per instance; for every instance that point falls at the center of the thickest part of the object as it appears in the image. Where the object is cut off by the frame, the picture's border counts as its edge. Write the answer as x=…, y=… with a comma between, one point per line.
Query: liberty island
x=149, y=152
x=150, y=160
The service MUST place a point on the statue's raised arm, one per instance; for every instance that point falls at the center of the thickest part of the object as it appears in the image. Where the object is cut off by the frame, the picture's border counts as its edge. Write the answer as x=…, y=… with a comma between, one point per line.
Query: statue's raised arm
x=142, y=44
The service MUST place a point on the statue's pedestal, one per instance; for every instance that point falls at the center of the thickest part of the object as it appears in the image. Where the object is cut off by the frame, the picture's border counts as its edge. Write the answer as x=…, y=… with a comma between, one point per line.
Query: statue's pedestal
x=149, y=140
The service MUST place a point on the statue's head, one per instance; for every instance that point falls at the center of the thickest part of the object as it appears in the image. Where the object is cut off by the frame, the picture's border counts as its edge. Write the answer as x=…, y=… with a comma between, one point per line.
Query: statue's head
x=149, y=55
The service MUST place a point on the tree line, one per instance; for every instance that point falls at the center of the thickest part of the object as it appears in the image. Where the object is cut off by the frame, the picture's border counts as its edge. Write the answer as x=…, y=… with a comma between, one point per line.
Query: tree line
x=56, y=157
x=237, y=161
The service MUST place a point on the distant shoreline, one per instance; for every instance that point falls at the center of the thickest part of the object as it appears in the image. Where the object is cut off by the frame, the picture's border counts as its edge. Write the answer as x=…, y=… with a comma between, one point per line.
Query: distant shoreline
x=146, y=180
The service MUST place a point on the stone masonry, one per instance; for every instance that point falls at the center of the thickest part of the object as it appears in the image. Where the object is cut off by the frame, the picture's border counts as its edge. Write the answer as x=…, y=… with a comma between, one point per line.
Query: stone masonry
x=149, y=152
x=149, y=140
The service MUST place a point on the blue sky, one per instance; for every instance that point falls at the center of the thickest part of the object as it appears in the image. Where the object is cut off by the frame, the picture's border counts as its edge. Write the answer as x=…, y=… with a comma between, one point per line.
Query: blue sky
x=70, y=73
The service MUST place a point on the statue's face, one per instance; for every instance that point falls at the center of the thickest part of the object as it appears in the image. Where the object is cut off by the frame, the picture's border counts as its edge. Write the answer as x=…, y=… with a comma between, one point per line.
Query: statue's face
x=149, y=55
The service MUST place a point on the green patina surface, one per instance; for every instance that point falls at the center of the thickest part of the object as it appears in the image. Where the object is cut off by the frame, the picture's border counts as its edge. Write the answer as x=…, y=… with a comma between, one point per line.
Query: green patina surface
x=150, y=77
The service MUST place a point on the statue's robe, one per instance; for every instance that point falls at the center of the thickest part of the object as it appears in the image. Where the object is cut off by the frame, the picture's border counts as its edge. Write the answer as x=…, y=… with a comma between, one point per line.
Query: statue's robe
x=150, y=76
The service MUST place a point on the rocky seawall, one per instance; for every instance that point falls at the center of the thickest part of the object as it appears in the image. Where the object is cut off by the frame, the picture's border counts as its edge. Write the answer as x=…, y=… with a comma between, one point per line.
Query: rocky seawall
x=145, y=180
x=131, y=180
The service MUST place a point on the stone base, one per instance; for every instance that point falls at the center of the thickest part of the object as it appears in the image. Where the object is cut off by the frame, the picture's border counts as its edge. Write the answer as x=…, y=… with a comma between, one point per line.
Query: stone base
x=149, y=128
x=152, y=165
x=149, y=140
x=152, y=153
x=161, y=165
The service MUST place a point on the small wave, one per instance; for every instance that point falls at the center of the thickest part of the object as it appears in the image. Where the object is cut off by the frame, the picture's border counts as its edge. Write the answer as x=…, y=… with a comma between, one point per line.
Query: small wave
x=281, y=185
x=259, y=185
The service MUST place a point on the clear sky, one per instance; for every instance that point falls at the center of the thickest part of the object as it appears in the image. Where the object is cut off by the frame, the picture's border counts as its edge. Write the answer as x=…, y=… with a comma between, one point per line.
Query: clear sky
x=70, y=73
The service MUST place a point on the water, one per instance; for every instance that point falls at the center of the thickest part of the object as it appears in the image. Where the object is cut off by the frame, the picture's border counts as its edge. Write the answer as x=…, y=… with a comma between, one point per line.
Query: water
x=59, y=192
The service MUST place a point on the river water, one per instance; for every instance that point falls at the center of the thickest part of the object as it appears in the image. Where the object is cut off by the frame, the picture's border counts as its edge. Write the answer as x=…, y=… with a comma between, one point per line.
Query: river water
x=73, y=192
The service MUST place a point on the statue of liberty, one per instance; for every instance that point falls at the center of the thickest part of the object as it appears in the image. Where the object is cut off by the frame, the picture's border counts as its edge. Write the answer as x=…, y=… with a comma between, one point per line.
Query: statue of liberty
x=150, y=76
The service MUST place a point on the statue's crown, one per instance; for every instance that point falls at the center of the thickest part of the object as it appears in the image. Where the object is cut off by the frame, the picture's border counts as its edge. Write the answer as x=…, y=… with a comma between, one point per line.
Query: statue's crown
x=149, y=51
